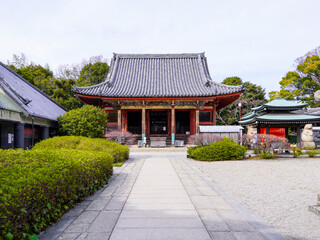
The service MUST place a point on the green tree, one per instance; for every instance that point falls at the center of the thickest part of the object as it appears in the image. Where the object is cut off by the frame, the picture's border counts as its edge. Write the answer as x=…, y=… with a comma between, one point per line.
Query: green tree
x=63, y=95
x=87, y=121
x=234, y=81
x=93, y=73
x=41, y=77
x=252, y=96
x=302, y=83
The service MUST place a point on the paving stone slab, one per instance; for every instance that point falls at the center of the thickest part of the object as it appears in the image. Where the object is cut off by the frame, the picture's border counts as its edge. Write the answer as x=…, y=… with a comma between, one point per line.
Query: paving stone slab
x=223, y=236
x=69, y=236
x=98, y=236
x=212, y=220
x=159, y=206
x=167, y=214
x=77, y=228
x=247, y=236
x=160, y=234
x=159, y=223
x=116, y=203
x=99, y=203
x=86, y=217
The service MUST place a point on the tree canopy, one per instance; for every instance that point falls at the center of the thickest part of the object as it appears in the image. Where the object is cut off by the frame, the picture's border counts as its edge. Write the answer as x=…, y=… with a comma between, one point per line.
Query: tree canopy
x=253, y=96
x=58, y=86
x=93, y=73
x=87, y=121
x=302, y=83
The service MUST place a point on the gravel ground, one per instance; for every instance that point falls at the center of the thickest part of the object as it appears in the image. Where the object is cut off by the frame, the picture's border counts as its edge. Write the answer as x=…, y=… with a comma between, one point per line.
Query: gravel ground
x=278, y=191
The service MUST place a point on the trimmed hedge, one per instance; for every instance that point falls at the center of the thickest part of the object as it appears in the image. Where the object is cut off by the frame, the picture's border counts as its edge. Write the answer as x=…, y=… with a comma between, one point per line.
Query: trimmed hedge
x=119, y=152
x=38, y=186
x=226, y=149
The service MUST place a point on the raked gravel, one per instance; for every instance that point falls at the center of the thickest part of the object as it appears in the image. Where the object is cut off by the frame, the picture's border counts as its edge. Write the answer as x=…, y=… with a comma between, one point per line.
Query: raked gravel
x=278, y=191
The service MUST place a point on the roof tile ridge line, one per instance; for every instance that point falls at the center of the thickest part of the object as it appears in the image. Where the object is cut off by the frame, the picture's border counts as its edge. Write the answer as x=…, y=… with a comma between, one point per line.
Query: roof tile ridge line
x=25, y=101
x=34, y=87
x=200, y=64
x=207, y=68
x=229, y=86
x=158, y=55
x=114, y=72
x=99, y=84
x=17, y=101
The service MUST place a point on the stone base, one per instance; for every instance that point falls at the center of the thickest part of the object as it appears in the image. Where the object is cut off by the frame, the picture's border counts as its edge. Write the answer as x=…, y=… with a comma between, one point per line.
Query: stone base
x=315, y=209
x=308, y=144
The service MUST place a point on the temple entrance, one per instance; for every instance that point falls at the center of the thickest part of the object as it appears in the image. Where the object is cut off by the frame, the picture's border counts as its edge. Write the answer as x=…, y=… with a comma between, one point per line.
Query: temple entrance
x=158, y=122
x=182, y=122
x=134, y=122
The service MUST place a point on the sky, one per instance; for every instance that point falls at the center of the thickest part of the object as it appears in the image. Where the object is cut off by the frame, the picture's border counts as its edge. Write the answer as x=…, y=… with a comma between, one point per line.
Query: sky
x=256, y=40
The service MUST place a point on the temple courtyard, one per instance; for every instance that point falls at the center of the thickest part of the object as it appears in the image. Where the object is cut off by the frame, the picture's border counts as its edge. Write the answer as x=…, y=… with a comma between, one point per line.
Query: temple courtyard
x=161, y=194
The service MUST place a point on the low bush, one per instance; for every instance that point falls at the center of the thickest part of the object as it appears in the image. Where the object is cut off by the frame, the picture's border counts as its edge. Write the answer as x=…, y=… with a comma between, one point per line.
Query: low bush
x=226, y=149
x=203, y=139
x=119, y=152
x=122, y=137
x=296, y=152
x=311, y=151
x=267, y=155
x=38, y=186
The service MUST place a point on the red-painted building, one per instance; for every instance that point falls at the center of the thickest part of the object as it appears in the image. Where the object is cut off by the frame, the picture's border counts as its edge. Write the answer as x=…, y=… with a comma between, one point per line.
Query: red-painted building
x=159, y=94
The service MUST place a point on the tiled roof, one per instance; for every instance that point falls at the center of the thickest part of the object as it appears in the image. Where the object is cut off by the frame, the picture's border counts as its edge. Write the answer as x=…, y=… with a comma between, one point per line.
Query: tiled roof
x=158, y=75
x=30, y=99
x=280, y=103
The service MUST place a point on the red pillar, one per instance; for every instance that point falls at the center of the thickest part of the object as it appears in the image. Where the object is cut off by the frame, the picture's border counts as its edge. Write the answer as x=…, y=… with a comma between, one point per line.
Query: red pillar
x=214, y=112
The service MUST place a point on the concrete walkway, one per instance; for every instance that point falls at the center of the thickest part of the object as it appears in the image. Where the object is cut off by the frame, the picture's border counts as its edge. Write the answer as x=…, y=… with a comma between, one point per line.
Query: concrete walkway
x=159, y=197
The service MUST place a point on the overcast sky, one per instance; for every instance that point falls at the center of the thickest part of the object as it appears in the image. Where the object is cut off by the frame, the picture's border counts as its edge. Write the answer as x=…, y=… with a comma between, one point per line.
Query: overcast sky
x=257, y=40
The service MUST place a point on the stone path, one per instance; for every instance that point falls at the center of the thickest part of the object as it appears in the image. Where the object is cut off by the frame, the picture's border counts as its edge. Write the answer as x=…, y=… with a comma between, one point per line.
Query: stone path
x=159, y=197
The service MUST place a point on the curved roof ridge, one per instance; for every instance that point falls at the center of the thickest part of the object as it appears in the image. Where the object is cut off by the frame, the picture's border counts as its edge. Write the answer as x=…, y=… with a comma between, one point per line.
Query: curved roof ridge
x=159, y=55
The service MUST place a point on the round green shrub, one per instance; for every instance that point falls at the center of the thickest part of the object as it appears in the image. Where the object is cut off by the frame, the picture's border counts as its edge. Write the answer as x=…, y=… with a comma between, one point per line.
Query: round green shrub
x=118, y=151
x=87, y=121
x=225, y=149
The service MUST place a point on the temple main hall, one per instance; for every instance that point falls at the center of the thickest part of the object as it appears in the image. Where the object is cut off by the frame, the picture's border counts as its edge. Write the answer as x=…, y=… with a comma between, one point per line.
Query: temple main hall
x=165, y=95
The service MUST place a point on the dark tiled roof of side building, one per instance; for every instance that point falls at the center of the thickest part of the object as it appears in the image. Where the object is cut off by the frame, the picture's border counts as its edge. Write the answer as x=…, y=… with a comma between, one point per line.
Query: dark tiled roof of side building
x=158, y=75
x=30, y=99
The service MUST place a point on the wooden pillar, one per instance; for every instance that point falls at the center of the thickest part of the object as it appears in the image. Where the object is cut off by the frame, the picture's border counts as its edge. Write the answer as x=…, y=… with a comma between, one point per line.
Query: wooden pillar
x=197, y=121
x=214, y=113
x=119, y=120
x=267, y=130
x=287, y=133
x=143, y=123
x=173, y=125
